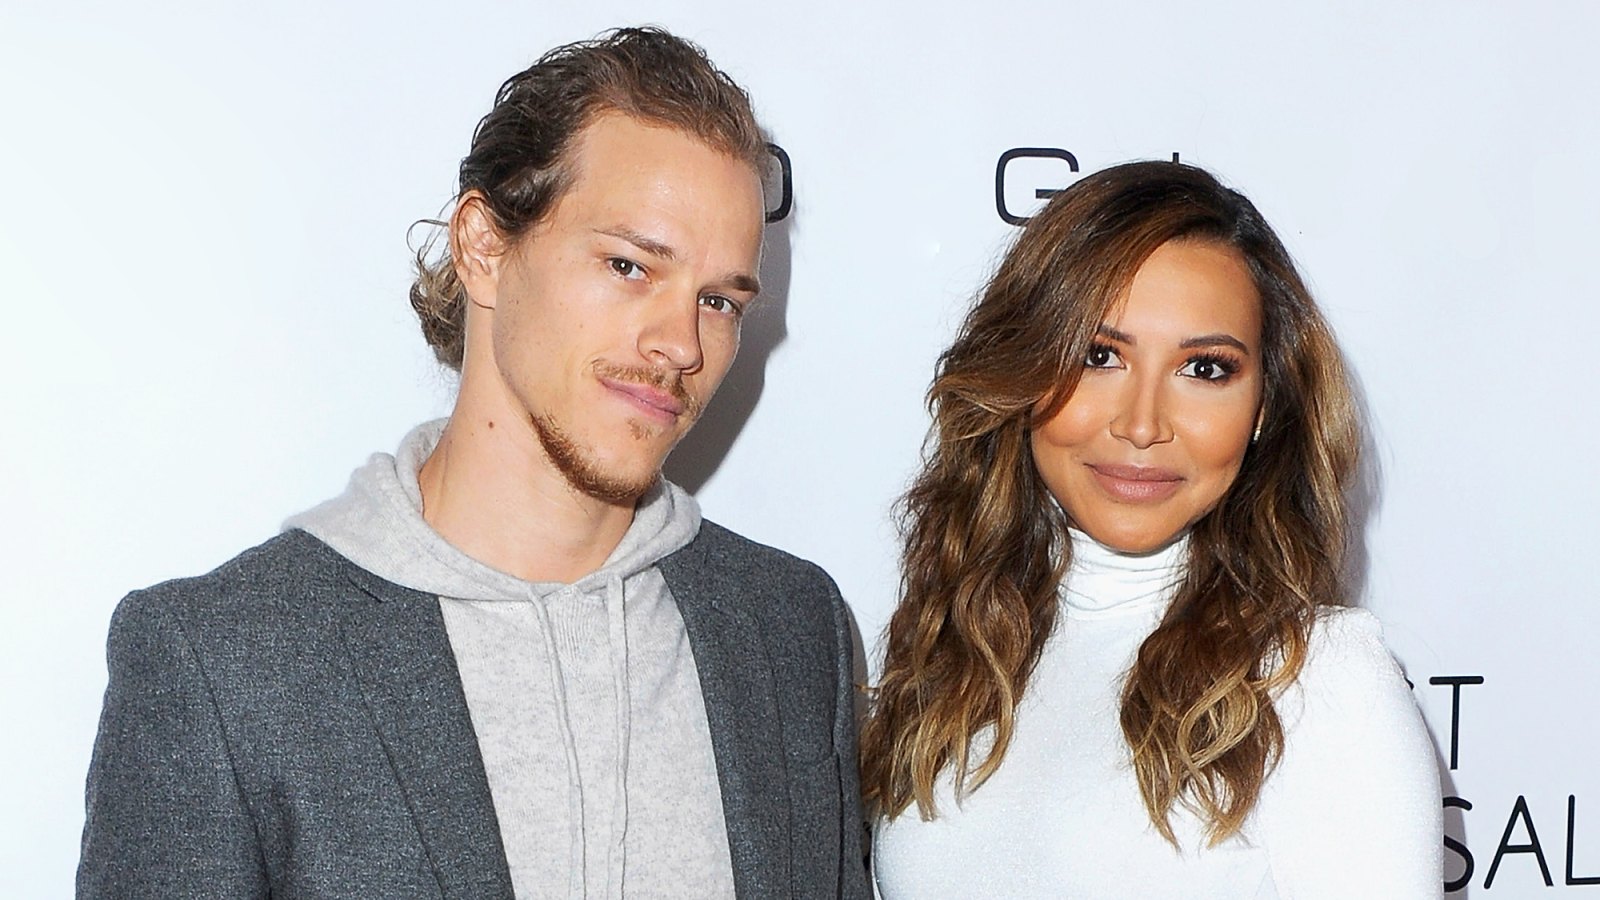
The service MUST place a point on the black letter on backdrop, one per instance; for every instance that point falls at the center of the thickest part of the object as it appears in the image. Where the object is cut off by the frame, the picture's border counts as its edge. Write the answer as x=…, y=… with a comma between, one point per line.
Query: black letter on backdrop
x=1520, y=809
x=1572, y=816
x=1461, y=850
x=1455, y=682
x=1041, y=193
x=786, y=174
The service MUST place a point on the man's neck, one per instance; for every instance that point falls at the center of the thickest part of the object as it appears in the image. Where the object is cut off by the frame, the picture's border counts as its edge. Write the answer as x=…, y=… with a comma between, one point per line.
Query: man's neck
x=494, y=494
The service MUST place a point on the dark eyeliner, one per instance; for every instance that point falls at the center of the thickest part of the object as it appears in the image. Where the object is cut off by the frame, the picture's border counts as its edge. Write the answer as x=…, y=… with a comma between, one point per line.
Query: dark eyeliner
x=1098, y=347
x=1229, y=366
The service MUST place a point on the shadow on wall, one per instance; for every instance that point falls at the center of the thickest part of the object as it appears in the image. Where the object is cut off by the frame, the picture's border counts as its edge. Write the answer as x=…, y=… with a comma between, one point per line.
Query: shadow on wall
x=1455, y=828
x=701, y=452
x=1455, y=825
x=1364, y=497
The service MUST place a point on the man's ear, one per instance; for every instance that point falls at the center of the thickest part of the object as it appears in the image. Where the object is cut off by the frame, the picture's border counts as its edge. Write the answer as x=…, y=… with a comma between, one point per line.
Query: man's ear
x=477, y=249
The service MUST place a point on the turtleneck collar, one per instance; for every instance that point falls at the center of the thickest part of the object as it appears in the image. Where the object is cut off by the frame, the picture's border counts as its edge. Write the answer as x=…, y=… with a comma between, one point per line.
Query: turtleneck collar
x=1103, y=581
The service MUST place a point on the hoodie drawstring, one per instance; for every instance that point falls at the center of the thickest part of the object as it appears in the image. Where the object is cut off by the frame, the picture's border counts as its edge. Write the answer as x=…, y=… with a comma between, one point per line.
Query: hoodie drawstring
x=617, y=654
x=617, y=646
x=558, y=692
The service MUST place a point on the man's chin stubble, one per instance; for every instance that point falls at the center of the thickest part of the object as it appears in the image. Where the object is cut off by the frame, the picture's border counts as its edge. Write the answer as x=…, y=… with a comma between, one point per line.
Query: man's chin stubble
x=581, y=472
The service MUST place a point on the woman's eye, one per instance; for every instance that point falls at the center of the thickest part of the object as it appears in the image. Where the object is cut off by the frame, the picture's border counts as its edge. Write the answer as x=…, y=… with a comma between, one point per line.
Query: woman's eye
x=1208, y=369
x=1101, y=357
x=626, y=268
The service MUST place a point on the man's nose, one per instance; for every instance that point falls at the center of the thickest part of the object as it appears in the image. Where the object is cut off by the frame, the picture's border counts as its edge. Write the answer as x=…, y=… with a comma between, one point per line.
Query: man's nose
x=671, y=333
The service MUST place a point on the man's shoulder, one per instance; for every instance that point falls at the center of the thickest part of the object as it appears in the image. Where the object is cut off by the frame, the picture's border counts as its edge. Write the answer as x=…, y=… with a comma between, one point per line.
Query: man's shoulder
x=276, y=574
x=792, y=598
x=728, y=554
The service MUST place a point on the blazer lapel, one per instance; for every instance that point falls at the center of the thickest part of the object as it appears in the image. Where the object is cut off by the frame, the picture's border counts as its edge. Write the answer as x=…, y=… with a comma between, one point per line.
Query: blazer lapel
x=741, y=709
x=407, y=672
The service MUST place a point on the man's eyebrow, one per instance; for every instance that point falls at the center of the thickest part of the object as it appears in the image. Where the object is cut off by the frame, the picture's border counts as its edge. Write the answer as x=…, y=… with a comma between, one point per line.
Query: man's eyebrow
x=1215, y=340
x=734, y=281
x=644, y=242
x=739, y=281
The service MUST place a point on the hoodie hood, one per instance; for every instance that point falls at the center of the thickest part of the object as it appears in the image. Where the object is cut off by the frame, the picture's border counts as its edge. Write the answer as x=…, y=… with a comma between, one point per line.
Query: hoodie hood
x=495, y=620
x=377, y=524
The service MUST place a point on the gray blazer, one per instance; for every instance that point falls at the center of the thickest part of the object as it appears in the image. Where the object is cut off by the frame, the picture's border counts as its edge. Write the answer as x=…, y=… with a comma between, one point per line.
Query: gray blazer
x=291, y=725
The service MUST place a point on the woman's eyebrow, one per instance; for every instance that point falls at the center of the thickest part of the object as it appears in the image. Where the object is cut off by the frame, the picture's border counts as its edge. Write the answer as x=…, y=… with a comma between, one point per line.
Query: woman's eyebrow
x=1205, y=340
x=1121, y=337
x=1213, y=340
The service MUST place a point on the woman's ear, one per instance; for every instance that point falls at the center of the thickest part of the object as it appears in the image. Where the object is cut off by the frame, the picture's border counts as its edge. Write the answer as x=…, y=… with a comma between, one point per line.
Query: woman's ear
x=476, y=249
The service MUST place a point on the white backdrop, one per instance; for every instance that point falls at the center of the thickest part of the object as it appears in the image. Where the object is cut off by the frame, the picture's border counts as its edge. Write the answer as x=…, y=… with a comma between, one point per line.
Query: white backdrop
x=205, y=325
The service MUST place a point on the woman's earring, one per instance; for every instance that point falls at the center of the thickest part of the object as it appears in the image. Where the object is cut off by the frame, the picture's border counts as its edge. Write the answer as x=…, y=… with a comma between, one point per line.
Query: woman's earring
x=1257, y=436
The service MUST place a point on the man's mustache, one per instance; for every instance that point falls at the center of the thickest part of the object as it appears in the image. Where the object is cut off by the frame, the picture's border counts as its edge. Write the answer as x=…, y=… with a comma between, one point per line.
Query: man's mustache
x=661, y=379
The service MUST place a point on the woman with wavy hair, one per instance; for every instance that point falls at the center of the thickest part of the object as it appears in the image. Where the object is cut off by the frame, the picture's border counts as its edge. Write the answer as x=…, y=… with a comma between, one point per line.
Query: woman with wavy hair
x=1118, y=668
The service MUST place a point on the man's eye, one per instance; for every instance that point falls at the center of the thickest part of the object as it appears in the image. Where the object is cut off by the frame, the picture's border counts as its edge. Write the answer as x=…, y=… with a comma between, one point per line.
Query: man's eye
x=626, y=268
x=1101, y=357
x=719, y=303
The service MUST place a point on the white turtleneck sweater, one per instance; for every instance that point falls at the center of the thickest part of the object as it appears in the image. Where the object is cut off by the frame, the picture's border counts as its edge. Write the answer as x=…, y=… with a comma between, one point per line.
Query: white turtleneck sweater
x=1352, y=811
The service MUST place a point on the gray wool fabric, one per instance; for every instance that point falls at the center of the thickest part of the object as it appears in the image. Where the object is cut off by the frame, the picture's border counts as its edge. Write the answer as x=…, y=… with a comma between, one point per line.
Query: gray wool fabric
x=584, y=698
x=293, y=725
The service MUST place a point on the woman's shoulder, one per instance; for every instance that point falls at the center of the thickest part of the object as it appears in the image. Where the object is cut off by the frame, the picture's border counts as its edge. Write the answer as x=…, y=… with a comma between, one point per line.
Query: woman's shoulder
x=1359, y=772
x=1348, y=635
x=1348, y=665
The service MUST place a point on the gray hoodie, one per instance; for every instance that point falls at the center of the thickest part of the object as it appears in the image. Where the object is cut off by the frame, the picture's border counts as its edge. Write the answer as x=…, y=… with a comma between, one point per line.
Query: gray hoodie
x=584, y=697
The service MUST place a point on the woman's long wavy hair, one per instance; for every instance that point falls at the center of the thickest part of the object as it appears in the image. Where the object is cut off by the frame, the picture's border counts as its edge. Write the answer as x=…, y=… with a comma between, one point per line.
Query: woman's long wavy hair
x=984, y=541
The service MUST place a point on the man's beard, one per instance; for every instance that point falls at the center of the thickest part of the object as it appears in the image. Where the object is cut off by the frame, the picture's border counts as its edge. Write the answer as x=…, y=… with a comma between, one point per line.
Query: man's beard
x=580, y=469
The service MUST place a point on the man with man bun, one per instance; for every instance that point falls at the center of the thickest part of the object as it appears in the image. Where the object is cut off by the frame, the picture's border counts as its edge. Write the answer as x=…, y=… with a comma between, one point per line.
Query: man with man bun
x=511, y=659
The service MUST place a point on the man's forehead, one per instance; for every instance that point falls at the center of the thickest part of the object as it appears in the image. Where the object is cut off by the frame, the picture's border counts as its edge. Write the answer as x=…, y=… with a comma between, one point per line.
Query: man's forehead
x=621, y=161
x=617, y=146
x=670, y=195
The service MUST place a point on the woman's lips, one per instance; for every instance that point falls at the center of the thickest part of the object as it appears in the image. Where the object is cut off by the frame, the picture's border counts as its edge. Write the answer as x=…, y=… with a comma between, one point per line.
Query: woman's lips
x=1136, y=484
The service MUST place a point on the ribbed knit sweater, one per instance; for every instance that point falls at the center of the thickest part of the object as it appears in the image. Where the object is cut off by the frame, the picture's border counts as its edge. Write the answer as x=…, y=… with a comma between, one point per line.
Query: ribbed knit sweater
x=1351, y=811
x=584, y=697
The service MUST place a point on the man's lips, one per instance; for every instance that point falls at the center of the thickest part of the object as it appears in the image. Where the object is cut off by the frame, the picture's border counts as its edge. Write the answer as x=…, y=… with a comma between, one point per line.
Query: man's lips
x=650, y=400
x=1136, y=484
